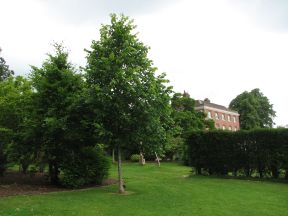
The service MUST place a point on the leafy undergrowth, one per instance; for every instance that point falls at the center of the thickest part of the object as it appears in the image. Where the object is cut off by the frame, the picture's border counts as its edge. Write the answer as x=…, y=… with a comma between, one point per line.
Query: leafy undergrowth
x=159, y=191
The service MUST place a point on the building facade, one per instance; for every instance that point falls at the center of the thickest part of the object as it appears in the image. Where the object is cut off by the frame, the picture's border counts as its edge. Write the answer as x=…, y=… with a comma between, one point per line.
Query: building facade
x=223, y=117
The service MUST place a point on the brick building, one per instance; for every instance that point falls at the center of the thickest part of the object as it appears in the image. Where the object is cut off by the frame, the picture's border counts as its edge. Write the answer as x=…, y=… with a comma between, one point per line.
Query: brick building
x=223, y=117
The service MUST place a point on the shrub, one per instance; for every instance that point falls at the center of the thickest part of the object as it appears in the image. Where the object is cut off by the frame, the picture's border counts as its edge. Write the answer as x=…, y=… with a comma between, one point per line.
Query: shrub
x=135, y=157
x=88, y=166
x=72, y=179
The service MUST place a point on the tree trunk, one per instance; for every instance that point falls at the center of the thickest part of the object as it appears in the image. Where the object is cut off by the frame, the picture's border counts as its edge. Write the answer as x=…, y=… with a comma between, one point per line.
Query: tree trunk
x=224, y=171
x=235, y=172
x=41, y=167
x=24, y=167
x=286, y=174
x=198, y=170
x=2, y=162
x=120, y=178
x=275, y=172
x=247, y=171
x=211, y=171
x=50, y=172
x=113, y=155
x=261, y=173
x=53, y=173
x=56, y=174
x=2, y=170
x=261, y=169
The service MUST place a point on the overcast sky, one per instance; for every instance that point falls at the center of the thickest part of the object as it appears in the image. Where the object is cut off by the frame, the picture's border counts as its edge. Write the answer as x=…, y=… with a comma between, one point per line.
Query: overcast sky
x=214, y=49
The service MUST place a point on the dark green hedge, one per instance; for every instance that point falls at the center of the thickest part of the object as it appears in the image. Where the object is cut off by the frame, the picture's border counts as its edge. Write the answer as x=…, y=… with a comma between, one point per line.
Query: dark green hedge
x=264, y=151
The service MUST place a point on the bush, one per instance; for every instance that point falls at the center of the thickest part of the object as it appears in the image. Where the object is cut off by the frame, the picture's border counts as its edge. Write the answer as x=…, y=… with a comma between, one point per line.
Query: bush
x=72, y=179
x=135, y=157
x=88, y=166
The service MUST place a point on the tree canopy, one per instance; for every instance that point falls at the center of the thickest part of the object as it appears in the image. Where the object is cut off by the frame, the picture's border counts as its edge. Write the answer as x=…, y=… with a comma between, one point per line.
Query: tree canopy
x=5, y=72
x=185, y=116
x=255, y=110
x=10, y=100
x=15, y=115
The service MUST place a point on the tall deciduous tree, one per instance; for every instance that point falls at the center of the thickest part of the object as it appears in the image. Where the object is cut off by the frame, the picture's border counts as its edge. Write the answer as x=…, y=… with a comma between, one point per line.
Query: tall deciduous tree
x=131, y=100
x=5, y=72
x=255, y=110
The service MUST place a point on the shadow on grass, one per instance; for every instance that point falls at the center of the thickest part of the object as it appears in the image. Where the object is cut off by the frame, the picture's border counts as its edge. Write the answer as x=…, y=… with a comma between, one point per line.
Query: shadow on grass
x=283, y=181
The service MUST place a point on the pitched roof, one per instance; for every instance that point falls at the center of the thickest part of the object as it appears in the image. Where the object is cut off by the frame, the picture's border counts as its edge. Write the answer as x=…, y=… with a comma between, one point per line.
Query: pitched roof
x=206, y=102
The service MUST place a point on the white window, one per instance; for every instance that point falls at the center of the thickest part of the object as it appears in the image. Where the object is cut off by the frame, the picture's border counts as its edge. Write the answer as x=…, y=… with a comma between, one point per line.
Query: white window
x=223, y=117
x=216, y=116
x=209, y=114
x=234, y=119
x=230, y=128
x=229, y=119
x=223, y=127
x=235, y=129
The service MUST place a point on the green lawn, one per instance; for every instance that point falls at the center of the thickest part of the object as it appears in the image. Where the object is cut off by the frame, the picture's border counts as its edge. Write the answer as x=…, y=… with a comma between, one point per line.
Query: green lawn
x=159, y=191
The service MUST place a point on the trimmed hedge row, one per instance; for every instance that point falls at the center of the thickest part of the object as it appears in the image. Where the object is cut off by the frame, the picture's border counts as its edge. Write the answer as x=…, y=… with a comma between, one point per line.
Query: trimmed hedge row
x=264, y=151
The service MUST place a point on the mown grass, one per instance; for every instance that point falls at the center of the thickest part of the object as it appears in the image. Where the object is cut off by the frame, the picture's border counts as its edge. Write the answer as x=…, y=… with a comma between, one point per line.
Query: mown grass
x=159, y=191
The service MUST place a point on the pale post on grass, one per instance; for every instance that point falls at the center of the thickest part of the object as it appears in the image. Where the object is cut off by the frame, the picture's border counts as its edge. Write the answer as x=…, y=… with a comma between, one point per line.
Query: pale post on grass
x=141, y=158
x=157, y=159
